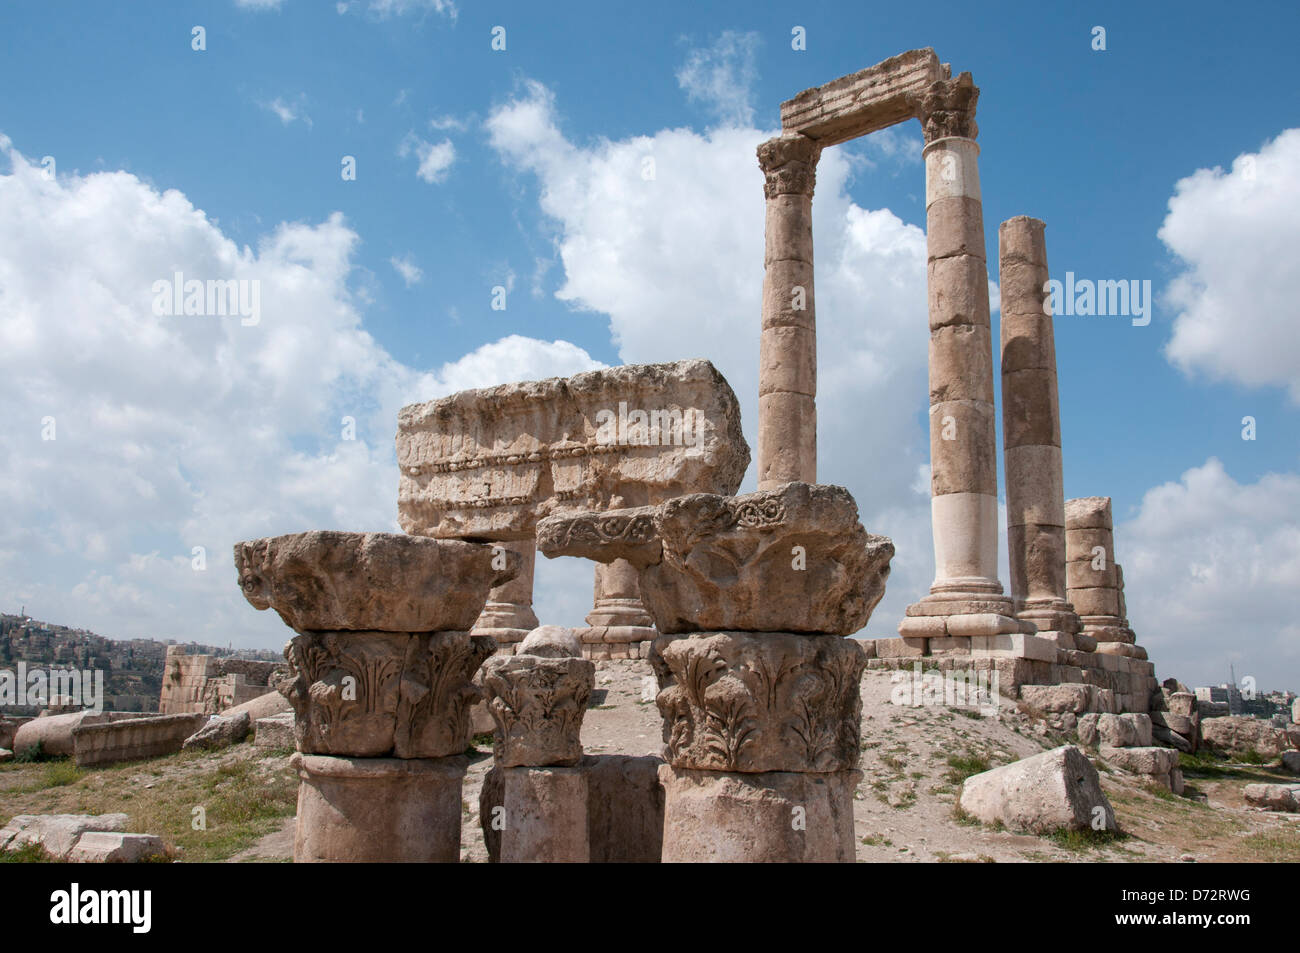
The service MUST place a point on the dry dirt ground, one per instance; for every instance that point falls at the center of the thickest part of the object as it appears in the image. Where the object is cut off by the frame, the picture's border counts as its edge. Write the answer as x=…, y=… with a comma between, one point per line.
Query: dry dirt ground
x=914, y=759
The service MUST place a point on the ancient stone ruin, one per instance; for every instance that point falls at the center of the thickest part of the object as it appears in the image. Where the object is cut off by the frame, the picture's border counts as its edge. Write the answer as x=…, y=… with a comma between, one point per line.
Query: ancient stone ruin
x=743, y=604
x=488, y=464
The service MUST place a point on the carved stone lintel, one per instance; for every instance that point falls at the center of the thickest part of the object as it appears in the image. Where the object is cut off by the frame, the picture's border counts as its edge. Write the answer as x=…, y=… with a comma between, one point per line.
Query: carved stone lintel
x=751, y=702
x=538, y=705
x=789, y=163
x=947, y=108
x=375, y=694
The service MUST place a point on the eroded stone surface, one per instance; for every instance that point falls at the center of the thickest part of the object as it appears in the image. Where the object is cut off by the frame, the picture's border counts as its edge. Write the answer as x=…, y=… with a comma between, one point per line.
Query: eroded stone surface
x=1055, y=790
x=790, y=559
x=371, y=694
x=737, y=701
x=487, y=464
x=327, y=580
x=537, y=704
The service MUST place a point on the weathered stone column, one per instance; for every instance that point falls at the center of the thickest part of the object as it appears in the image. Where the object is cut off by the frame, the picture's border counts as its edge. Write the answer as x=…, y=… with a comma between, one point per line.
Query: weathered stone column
x=787, y=370
x=618, y=597
x=508, y=615
x=537, y=699
x=759, y=691
x=380, y=683
x=966, y=598
x=1031, y=434
x=1092, y=577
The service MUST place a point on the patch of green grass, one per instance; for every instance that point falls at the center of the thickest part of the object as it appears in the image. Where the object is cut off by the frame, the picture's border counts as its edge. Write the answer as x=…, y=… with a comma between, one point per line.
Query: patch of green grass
x=1280, y=846
x=963, y=818
x=1160, y=791
x=56, y=774
x=33, y=754
x=877, y=840
x=27, y=854
x=1086, y=839
x=962, y=766
x=893, y=761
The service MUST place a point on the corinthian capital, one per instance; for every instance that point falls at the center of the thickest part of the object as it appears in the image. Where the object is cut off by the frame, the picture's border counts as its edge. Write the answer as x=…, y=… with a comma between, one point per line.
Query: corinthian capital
x=790, y=164
x=947, y=108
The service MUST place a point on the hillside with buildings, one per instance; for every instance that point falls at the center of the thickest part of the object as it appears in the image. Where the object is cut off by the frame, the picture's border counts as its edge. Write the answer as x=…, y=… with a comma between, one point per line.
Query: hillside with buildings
x=133, y=668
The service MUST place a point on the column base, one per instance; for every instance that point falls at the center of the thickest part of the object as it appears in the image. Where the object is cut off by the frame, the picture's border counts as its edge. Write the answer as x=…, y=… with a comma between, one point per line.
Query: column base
x=1055, y=620
x=962, y=613
x=620, y=613
x=545, y=816
x=771, y=817
x=378, y=810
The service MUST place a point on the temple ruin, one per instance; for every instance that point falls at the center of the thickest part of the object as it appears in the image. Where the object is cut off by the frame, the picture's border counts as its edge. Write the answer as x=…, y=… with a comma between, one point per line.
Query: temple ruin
x=743, y=604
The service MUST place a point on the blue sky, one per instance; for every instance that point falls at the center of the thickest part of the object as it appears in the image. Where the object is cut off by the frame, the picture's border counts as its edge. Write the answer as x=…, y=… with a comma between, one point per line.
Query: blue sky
x=478, y=168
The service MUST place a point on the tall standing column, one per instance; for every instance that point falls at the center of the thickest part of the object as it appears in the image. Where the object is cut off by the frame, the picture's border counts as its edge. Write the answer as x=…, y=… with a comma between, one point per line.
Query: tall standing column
x=508, y=615
x=1031, y=434
x=787, y=375
x=966, y=598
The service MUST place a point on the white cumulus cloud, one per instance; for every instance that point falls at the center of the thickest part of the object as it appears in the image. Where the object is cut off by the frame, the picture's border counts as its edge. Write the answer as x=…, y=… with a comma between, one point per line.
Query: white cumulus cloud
x=1211, y=568
x=1235, y=233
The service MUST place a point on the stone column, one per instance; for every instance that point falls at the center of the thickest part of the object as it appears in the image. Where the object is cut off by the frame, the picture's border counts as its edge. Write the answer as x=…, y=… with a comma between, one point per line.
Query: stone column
x=787, y=374
x=538, y=703
x=508, y=615
x=1092, y=577
x=1031, y=434
x=618, y=626
x=966, y=598
x=762, y=734
x=381, y=721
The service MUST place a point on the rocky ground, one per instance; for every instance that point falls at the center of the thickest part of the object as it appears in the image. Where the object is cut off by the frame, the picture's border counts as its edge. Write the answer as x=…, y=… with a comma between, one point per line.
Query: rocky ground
x=914, y=760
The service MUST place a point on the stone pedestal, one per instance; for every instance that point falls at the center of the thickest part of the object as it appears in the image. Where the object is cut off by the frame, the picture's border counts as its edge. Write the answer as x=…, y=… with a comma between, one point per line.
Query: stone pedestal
x=378, y=810
x=545, y=816
x=538, y=703
x=380, y=681
x=966, y=599
x=771, y=817
x=787, y=371
x=1031, y=432
x=508, y=615
x=762, y=738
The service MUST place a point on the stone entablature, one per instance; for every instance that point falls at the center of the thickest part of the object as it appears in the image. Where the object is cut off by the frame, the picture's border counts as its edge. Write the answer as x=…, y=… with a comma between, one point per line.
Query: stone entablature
x=487, y=464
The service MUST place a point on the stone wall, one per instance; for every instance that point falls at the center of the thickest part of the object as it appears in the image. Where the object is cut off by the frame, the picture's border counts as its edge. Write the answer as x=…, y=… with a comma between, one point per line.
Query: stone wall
x=207, y=684
x=132, y=739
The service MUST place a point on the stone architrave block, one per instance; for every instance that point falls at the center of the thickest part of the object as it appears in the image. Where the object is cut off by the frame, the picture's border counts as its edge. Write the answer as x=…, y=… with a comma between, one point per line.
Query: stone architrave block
x=487, y=464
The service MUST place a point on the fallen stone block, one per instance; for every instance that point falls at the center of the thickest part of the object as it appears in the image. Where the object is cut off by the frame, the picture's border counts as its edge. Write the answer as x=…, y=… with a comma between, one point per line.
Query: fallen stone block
x=1291, y=761
x=1056, y=790
x=263, y=706
x=1241, y=734
x=54, y=732
x=1273, y=797
x=133, y=739
x=274, y=732
x=104, y=847
x=56, y=834
x=1056, y=699
x=1141, y=760
x=219, y=732
x=1172, y=739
